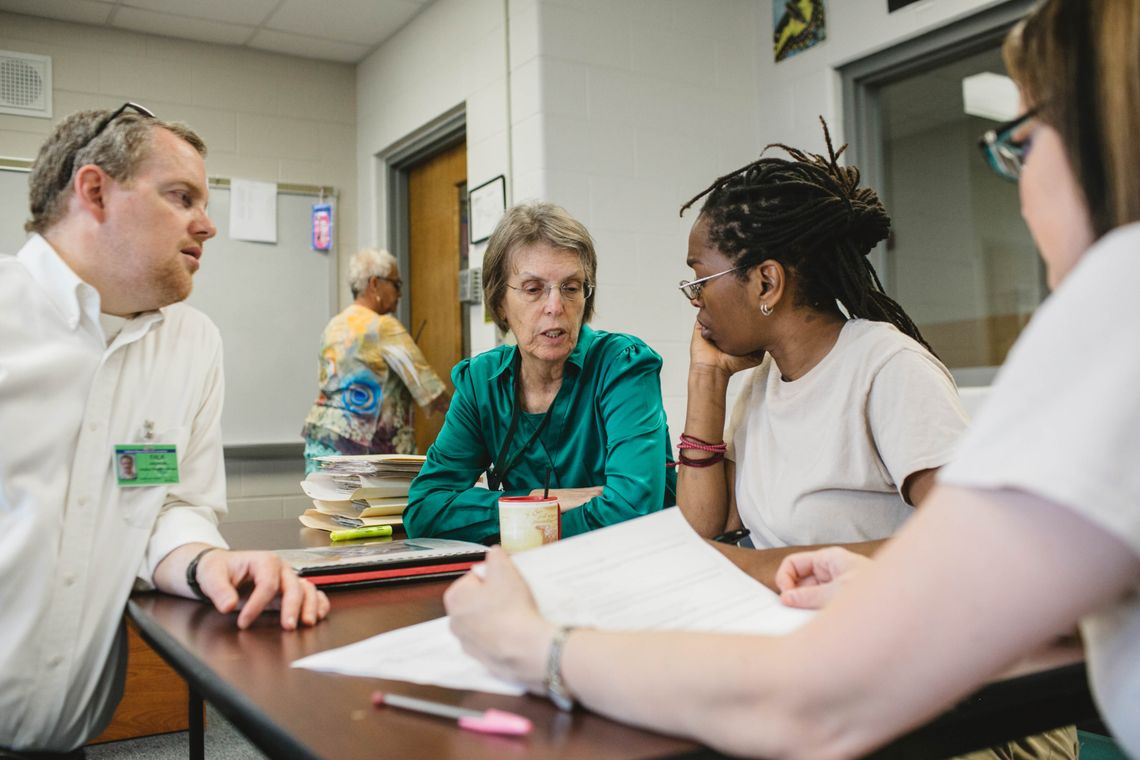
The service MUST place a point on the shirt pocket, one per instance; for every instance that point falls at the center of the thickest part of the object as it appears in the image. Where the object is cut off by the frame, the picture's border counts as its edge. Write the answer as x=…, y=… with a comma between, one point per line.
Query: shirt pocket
x=139, y=506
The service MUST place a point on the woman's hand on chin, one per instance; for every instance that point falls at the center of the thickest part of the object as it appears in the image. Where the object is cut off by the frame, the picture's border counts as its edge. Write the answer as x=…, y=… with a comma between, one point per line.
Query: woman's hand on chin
x=705, y=355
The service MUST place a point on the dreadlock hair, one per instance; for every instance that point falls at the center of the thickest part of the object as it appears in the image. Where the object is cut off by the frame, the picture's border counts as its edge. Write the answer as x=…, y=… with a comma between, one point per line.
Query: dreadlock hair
x=810, y=215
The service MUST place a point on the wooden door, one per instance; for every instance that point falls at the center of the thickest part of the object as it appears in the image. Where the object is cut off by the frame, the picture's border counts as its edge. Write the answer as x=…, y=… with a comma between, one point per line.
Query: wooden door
x=434, y=189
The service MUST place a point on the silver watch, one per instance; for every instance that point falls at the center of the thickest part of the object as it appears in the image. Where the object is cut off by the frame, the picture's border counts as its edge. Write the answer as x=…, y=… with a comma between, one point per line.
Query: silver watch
x=552, y=681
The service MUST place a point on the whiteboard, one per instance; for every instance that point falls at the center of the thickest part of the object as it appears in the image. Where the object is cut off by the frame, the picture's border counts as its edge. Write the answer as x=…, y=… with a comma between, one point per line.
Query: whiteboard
x=269, y=301
x=13, y=209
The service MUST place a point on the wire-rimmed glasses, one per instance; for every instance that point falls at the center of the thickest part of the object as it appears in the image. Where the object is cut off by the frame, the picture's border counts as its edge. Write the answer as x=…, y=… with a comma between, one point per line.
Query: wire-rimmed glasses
x=692, y=288
x=1005, y=147
x=569, y=291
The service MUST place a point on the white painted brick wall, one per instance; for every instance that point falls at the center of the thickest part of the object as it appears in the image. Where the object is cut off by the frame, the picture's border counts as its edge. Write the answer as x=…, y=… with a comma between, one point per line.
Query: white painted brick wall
x=452, y=53
x=643, y=105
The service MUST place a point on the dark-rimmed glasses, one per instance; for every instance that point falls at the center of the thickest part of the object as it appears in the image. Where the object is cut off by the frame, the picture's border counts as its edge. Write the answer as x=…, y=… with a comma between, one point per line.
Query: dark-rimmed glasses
x=692, y=288
x=101, y=127
x=397, y=283
x=1004, y=152
x=569, y=291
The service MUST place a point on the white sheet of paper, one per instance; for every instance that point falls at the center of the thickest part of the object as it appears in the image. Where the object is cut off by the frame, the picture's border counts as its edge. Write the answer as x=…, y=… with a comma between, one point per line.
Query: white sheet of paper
x=253, y=211
x=653, y=573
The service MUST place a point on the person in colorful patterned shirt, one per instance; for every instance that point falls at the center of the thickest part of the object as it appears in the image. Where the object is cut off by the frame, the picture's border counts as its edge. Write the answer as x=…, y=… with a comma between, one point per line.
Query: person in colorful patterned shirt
x=371, y=370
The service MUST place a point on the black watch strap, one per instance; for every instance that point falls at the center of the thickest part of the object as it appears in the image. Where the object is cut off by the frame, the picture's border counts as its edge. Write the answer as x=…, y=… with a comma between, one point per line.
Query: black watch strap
x=192, y=573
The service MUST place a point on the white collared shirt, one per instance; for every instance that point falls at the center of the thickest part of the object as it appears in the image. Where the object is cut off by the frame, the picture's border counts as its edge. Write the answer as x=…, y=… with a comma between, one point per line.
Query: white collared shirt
x=72, y=542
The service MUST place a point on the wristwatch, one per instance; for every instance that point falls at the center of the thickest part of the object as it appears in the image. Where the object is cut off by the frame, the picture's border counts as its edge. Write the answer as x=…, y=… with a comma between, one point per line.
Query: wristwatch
x=192, y=573
x=552, y=681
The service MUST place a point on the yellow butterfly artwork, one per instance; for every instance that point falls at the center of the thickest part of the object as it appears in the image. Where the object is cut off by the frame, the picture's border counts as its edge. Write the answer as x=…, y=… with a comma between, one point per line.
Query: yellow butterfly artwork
x=797, y=26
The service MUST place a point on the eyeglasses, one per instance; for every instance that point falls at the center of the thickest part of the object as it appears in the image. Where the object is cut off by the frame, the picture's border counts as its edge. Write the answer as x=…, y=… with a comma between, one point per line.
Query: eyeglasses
x=1003, y=151
x=101, y=127
x=397, y=283
x=692, y=288
x=569, y=291
x=128, y=106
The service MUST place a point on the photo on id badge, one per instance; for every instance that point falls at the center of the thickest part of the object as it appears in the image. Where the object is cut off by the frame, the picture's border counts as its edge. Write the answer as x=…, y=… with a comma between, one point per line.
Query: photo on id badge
x=146, y=464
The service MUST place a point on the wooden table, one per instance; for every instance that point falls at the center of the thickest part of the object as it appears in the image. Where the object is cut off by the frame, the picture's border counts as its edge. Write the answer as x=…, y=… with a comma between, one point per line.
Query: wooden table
x=297, y=713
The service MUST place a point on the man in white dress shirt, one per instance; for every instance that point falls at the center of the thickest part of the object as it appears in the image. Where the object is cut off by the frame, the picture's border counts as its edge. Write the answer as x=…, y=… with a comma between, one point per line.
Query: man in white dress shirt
x=99, y=361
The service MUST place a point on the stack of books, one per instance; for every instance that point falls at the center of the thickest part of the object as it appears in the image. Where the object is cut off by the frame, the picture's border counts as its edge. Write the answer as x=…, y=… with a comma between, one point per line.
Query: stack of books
x=359, y=491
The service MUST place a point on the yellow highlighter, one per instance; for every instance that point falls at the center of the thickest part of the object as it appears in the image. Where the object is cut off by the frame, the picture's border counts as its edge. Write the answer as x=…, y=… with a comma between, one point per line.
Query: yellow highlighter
x=370, y=531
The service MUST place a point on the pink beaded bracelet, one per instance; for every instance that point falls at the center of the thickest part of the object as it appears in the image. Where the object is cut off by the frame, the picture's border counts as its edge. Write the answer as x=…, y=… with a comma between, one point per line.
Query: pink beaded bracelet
x=689, y=442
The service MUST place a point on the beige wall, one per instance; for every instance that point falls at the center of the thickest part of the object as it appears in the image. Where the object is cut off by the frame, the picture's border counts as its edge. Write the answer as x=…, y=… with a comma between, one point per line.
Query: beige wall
x=265, y=117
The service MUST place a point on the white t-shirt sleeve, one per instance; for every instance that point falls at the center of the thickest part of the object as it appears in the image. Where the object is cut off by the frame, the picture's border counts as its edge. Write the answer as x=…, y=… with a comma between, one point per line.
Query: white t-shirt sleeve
x=740, y=406
x=1063, y=420
x=914, y=414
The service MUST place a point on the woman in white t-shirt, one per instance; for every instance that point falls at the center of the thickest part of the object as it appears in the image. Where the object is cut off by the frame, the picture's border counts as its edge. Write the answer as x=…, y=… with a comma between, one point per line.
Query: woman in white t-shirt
x=1035, y=526
x=843, y=418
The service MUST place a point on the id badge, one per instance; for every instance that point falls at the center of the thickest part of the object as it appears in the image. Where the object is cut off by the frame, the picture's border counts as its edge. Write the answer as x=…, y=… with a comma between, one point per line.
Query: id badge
x=146, y=464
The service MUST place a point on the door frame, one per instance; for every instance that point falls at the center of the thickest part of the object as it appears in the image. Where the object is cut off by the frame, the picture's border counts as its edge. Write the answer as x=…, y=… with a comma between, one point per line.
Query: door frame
x=439, y=134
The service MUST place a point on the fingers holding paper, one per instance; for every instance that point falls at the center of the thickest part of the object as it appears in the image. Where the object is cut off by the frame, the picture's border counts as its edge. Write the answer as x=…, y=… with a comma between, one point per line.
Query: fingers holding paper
x=811, y=579
x=495, y=618
x=226, y=576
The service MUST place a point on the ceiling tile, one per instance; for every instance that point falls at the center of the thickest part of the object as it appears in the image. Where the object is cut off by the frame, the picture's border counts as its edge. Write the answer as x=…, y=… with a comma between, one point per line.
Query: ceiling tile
x=180, y=26
x=364, y=22
x=308, y=47
x=80, y=11
x=249, y=12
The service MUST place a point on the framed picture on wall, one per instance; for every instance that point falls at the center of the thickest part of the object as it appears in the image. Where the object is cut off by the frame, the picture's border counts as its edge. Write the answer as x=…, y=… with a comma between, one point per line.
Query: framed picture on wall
x=486, y=204
x=796, y=26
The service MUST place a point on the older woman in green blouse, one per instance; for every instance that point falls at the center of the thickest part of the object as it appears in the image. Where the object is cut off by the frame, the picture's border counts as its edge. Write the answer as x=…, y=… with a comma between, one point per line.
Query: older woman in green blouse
x=583, y=405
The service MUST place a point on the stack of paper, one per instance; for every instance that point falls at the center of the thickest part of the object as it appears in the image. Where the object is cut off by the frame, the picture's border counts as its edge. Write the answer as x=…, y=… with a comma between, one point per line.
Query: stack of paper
x=650, y=574
x=356, y=491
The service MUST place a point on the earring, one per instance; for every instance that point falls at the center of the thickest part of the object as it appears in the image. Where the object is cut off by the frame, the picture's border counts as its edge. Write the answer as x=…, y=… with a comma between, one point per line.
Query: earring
x=766, y=310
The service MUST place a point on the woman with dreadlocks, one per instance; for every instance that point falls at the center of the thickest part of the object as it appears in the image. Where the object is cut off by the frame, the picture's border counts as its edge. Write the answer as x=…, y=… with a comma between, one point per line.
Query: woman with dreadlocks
x=847, y=415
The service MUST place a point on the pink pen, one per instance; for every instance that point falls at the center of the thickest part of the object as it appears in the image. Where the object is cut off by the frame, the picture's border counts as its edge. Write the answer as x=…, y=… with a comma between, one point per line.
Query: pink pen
x=483, y=721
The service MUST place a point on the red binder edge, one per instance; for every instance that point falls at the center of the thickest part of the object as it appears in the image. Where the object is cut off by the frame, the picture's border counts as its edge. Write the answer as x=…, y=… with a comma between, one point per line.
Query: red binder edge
x=399, y=572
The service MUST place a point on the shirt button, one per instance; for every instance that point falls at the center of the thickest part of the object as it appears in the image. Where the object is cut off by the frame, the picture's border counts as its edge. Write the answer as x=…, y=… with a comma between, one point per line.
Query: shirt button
x=92, y=426
x=55, y=661
x=83, y=502
x=69, y=580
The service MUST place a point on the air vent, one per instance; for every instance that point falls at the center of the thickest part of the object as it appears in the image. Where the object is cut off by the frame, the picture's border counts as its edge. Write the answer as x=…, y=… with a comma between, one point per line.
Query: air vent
x=25, y=84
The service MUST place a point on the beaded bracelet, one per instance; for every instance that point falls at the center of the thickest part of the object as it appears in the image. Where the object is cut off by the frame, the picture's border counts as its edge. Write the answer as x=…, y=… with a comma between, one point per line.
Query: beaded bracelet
x=690, y=442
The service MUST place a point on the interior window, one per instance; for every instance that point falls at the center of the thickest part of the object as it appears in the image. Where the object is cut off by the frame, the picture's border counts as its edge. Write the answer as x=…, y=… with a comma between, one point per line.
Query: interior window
x=960, y=259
